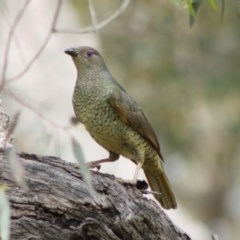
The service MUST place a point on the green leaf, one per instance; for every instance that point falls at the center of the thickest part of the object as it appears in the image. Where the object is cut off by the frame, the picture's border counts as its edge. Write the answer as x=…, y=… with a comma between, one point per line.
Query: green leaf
x=4, y=214
x=17, y=168
x=212, y=4
x=86, y=174
x=193, y=6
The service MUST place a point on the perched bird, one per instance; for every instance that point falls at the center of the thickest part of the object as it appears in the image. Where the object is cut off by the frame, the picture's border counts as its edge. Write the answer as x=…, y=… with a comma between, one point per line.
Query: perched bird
x=116, y=121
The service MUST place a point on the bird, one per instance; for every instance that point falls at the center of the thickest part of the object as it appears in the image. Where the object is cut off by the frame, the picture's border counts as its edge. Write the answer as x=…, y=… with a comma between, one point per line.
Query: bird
x=116, y=122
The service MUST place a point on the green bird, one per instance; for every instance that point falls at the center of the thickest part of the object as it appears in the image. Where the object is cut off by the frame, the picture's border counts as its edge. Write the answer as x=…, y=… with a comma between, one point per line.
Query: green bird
x=116, y=121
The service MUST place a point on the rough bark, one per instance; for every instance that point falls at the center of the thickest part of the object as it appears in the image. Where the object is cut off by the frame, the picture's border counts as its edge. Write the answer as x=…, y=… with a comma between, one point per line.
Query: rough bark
x=58, y=205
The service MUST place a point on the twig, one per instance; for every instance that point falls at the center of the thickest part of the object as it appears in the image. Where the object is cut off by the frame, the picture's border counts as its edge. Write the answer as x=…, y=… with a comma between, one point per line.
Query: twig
x=53, y=25
x=95, y=26
x=9, y=40
x=37, y=112
x=92, y=14
x=99, y=25
x=16, y=41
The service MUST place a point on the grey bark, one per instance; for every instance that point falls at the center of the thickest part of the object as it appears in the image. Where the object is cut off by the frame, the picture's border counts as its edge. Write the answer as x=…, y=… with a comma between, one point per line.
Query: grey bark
x=59, y=206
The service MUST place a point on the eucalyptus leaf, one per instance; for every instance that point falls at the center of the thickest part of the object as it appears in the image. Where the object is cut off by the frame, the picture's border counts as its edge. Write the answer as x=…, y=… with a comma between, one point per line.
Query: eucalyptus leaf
x=86, y=174
x=17, y=168
x=193, y=6
x=212, y=4
x=4, y=214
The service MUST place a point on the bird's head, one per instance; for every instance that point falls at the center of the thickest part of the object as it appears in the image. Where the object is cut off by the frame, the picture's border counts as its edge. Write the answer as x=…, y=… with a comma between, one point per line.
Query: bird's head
x=86, y=58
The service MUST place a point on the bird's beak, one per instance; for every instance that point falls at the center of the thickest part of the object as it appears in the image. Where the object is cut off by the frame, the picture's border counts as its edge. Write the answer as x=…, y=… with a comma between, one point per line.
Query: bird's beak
x=71, y=51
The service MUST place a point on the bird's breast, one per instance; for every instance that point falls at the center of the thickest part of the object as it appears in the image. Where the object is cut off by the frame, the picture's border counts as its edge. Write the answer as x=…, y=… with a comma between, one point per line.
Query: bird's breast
x=105, y=125
x=92, y=108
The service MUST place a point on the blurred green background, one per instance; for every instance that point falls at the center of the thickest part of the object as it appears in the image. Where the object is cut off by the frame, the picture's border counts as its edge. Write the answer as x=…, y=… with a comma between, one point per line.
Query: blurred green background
x=188, y=83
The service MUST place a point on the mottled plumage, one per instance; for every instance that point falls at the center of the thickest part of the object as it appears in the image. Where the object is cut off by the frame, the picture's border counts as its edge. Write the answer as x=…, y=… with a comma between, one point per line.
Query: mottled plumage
x=116, y=122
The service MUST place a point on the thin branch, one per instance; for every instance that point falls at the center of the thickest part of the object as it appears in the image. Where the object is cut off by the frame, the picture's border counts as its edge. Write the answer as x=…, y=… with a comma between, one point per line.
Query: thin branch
x=99, y=25
x=92, y=14
x=9, y=40
x=15, y=39
x=34, y=110
x=94, y=27
x=53, y=25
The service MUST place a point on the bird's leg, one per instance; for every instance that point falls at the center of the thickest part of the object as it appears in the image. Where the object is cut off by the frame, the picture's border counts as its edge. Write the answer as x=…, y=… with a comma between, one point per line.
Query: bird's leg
x=139, y=166
x=134, y=180
x=96, y=164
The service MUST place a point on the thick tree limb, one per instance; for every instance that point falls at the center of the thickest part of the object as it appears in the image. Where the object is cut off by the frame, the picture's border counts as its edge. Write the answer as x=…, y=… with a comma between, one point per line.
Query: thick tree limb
x=58, y=205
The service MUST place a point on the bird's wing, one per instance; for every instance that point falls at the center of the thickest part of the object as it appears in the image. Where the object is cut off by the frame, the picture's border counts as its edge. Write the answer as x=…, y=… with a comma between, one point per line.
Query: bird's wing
x=130, y=113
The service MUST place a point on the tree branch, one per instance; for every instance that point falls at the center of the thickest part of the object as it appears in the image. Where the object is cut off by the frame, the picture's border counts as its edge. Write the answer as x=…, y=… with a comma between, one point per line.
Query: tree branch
x=40, y=50
x=35, y=110
x=59, y=206
x=9, y=40
x=95, y=27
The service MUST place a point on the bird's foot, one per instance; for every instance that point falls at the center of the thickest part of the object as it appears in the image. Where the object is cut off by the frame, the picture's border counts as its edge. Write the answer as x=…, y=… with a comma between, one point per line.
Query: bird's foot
x=139, y=184
x=151, y=192
x=142, y=185
x=129, y=182
x=89, y=165
x=94, y=164
x=97, y=164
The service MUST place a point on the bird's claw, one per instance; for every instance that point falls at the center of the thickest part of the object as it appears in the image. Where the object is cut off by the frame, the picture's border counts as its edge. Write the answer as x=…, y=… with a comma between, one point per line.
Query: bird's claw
x=139, y=184
x=129, y=182
x=94, y=165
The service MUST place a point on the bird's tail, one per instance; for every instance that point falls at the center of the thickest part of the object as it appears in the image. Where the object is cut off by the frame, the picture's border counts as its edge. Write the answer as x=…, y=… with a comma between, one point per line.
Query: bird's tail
x=159, y=183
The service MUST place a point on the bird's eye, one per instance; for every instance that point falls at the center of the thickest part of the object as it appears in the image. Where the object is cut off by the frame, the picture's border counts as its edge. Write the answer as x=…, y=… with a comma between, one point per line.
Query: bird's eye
x=89, y=54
